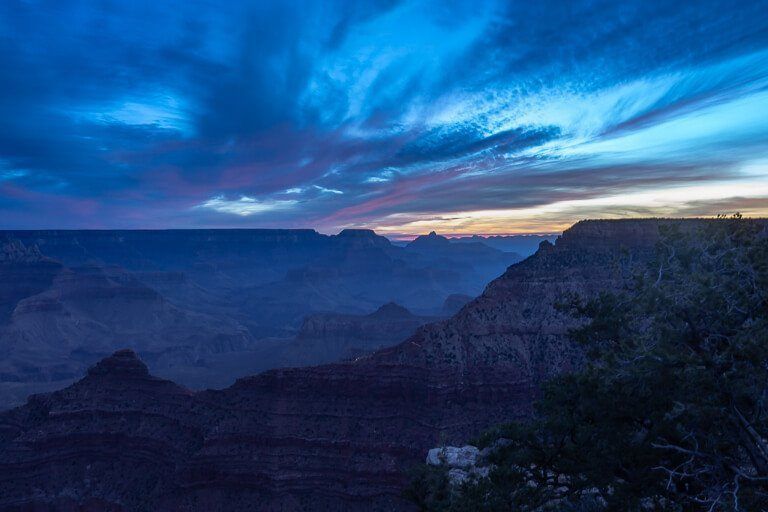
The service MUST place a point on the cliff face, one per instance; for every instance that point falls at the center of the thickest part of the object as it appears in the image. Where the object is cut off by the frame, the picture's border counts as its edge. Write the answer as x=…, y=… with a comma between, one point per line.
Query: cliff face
x=333, y=437
x=331, y=337
x=514, y=324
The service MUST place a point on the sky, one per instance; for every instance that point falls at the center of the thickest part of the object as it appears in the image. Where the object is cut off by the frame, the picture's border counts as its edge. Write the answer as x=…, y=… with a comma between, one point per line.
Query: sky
x=401, y=116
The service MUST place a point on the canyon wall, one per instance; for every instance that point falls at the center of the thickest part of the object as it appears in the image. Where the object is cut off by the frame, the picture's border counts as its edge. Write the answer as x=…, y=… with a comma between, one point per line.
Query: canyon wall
x=333, y=437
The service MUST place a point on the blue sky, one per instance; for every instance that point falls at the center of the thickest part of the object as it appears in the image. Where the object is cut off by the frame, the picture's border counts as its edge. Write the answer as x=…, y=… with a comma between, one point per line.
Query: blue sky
x=464, y=117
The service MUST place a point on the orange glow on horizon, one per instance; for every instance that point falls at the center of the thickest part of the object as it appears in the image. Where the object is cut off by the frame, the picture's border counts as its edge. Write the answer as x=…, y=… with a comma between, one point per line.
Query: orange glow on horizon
x=748, y=197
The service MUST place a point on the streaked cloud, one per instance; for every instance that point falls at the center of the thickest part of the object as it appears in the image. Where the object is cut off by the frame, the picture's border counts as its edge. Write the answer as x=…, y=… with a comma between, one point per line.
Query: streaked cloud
x=405, y=116
x=245, y=206
x=328, y=190
x=748, y=197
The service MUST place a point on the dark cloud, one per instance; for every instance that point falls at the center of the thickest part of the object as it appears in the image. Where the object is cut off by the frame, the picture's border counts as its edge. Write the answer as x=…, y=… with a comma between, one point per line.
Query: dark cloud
x=137, y=114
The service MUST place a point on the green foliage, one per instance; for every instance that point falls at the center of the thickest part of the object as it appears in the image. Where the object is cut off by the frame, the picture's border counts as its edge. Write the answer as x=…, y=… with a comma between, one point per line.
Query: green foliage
x=670, y=411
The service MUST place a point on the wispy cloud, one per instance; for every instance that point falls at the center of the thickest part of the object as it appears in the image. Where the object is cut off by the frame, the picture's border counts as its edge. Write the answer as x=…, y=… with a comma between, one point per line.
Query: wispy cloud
x=404, y=116
x=328, y=190
x=246, y=206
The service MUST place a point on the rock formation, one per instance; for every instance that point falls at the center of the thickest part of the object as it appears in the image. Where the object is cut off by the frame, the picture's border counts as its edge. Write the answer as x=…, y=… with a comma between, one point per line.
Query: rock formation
x=525, y=245
x=334, y=437
x=463, y=463
x=203, y=307
x=327, y=337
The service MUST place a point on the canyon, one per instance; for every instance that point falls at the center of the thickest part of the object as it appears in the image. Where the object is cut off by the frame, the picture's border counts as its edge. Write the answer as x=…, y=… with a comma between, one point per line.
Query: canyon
x=332, y=437
x=203, y=307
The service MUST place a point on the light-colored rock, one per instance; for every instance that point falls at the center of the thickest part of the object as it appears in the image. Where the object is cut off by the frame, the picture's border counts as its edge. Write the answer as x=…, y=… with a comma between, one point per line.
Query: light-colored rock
x=453, y=456
x=464, y=463
x=433, y=456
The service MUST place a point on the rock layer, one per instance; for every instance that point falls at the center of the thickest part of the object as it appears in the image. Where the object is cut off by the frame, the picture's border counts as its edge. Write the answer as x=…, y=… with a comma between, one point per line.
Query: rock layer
x=334, y=437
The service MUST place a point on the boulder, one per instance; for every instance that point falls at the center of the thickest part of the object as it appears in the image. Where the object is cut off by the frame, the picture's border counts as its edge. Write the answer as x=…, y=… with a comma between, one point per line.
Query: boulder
x=453, y=456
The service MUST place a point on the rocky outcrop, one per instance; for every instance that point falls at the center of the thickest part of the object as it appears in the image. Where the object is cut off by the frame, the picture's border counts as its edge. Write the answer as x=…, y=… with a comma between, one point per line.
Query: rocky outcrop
x=437, y=246
x=334, y=437
x=430, y=241
x=359, y=238
x=327, y=337
x=475, y=261
x=463, y=463
x=112, y=439
x=525, y=245
x=331, y=337
x=514, y=324
x=466, y=463
x=456, y=457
